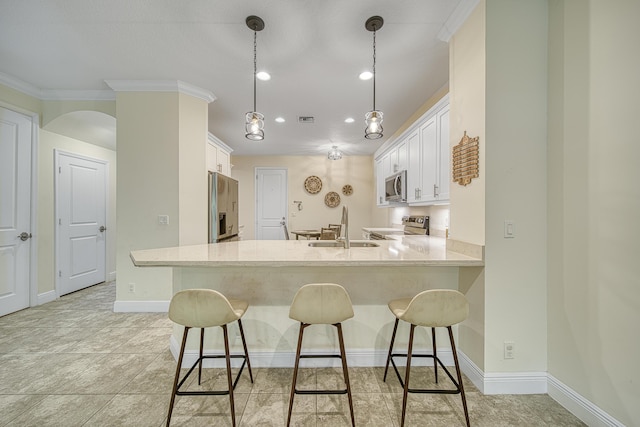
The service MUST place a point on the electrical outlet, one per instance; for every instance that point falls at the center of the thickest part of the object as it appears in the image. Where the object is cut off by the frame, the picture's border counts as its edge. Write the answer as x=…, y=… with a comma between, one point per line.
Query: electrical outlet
x=163, y=219
x=132, y=287
x=509, y=350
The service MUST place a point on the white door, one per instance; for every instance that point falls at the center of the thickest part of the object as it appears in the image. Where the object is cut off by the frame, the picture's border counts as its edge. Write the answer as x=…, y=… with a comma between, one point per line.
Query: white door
x=15, y=210
x=81, y=214
x=271, y=203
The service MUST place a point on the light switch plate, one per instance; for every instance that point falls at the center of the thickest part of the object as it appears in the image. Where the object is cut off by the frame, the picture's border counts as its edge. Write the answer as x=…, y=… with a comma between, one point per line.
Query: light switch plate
x=509, y=229
x=163, y=219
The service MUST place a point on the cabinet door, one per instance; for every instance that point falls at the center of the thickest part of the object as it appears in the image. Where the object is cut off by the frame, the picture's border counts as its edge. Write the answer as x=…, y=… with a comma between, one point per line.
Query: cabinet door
x=414, y=172
x=223, y=163
x=429, y=160
x=380, y=176
x=444, y=155
x=402, y=156
x=212, y=157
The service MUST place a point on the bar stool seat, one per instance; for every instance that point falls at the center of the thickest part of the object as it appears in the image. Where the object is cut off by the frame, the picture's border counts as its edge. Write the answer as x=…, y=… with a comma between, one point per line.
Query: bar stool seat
x=328, y=304
x=205, y=308
x=432, y=308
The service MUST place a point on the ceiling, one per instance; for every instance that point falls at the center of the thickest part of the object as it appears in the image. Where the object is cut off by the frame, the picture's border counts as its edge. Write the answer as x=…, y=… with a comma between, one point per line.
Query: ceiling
x=314, y=51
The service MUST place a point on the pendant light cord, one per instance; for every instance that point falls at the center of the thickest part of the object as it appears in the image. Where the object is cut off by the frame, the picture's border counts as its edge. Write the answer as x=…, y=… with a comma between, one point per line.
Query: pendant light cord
x=255, y=67
x=374, y=69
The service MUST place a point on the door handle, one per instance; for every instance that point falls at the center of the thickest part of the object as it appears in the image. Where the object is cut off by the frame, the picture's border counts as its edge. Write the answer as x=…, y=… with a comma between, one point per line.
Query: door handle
x=24, y=236
x=102, y=229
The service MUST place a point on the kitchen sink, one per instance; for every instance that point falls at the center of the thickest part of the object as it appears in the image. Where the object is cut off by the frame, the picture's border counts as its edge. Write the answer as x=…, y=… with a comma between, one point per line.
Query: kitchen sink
x=334, y=244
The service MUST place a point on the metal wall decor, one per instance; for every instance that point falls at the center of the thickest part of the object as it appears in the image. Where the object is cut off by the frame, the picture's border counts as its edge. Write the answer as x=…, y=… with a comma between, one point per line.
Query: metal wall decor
x=347, y=190
x=465, y=158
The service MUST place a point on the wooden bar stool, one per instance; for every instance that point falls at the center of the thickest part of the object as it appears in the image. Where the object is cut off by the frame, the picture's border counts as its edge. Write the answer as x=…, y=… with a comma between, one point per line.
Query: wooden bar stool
x=205, y=308
x=433, y=308
x=321, y=304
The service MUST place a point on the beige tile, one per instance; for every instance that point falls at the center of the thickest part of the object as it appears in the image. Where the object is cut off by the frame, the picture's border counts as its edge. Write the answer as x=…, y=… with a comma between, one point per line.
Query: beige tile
x=13, y=405
x=61, y=410
x=138, y=410
x=217, y=407
x=278, y=380
x=146, y=340
x=264, y=409
x=110, y=375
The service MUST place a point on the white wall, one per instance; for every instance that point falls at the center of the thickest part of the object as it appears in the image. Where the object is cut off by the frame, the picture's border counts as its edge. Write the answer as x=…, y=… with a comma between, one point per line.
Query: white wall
x=594, y=203
x=354, y=170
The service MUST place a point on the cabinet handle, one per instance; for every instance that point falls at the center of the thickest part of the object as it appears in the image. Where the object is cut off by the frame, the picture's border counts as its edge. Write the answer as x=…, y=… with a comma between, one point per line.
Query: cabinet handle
x=435, y=190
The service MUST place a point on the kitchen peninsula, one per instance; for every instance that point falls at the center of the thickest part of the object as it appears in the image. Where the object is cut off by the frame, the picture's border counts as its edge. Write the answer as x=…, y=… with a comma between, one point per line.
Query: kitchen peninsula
x=268, y=273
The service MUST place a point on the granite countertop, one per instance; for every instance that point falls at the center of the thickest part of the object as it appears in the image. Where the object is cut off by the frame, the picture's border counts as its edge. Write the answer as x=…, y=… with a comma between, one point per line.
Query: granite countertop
x=404, y=251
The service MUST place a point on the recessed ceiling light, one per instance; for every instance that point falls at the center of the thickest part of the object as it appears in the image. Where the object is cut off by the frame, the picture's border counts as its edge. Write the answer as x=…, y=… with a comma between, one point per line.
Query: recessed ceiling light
x=349, y=120
x=263, y=75
x=365, y=75
x=280, y=119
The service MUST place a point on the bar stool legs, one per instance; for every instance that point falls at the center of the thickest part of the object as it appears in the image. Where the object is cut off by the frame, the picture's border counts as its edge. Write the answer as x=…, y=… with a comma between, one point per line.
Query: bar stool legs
x=204, y=308
x=432, y=308
x=345, y=372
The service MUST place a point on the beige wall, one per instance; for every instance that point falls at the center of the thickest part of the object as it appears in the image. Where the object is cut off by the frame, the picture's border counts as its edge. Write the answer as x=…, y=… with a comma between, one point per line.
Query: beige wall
x=48, y=142
x=594, y=202
x=467, y=113
x=354, y=170
x=161, y=151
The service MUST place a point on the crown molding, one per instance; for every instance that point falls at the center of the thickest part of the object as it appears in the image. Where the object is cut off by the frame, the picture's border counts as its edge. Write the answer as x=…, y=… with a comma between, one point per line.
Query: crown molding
x=77, y=95
x=457, y=18
x=20, y=86
x=161, y=86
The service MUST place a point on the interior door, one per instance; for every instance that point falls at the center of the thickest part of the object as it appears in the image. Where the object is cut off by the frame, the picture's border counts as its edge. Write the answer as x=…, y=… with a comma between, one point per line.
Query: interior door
x=271, y=203
x=81, y=212
x=15, y=210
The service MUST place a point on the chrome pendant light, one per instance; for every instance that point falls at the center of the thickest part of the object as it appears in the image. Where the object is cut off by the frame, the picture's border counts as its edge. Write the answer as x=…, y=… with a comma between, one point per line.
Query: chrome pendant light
x=254, y=121
x=373, y=118
x=334, y=153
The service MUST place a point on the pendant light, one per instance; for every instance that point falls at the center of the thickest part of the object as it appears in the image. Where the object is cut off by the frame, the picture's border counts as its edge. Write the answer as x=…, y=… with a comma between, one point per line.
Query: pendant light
x=254, y=121
x=334, y=153
x=373, y=118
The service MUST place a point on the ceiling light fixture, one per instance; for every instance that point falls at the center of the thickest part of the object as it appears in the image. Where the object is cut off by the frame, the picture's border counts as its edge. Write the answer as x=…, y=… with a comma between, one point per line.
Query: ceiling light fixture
x=263, y=75
x=365, y=75
x=334, y=153
x=280, y=119
x=254, y=121
x=349, y=120
x=373, y=118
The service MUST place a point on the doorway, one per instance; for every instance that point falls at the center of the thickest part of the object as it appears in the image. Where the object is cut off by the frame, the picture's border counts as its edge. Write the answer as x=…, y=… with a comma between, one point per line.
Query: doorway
x=271, y=203
x=17, y=136
x=81, y=233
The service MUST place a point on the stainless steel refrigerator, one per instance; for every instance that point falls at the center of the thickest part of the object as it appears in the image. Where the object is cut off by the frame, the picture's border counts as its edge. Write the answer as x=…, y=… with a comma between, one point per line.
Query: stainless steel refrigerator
x=223, y=208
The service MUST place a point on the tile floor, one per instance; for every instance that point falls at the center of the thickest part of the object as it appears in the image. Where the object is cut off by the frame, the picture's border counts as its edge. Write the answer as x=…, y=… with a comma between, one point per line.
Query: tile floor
x=73, y=362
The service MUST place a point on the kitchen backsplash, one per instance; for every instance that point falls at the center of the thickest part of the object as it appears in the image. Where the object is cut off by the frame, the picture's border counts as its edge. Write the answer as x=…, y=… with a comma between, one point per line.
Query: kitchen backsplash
x=438, y=217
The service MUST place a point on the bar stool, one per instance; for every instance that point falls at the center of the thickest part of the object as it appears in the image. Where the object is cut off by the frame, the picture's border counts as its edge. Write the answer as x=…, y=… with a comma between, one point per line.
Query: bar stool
x=321, y=304
x=205, y=308
x=433, y=308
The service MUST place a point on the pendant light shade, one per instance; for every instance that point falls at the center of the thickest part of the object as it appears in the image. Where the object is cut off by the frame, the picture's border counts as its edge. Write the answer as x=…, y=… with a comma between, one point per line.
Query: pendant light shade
x=373, y=118
x=334, y=153
x=254, y=121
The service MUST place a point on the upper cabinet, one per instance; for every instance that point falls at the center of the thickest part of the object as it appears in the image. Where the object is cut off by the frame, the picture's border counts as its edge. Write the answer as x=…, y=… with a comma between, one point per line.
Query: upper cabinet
x=423, y=150
x=218, y=156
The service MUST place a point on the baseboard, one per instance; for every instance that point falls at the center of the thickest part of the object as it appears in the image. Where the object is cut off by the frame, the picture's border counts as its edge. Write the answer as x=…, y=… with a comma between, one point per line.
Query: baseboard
x=582, y=408
x=46, y=297
x=471, y=370
x=285, y=359
x=141, y=306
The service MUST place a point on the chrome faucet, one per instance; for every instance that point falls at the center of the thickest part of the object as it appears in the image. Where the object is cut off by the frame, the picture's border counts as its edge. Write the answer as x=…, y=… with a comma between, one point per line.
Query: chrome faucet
x=345, y=226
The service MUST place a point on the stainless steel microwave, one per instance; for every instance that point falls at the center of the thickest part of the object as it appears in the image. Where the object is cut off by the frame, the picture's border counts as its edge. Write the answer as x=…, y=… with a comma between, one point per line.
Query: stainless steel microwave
x=395, y=187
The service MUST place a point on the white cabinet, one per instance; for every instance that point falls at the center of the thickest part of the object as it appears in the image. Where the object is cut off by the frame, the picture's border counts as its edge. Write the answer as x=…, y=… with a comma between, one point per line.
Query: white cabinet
x=218, y=156
x=430, y=183
x=423, y=150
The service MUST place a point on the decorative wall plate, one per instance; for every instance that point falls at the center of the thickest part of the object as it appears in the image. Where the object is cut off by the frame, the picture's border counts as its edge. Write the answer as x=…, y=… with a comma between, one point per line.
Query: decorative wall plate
x=313, y=184
x=332, y=199
x=347, y=190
